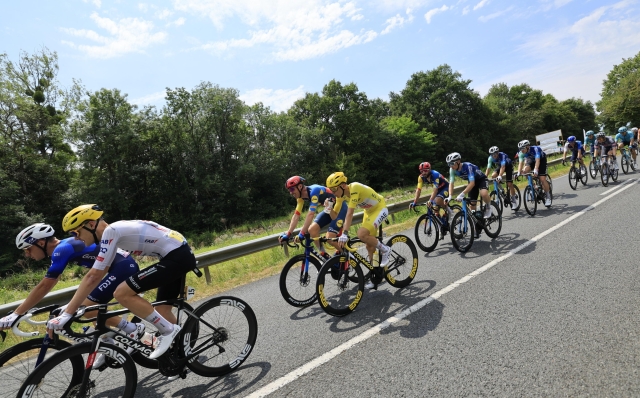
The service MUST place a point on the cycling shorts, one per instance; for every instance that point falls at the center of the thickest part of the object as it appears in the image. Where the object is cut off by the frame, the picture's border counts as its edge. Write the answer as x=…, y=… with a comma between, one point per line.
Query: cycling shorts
x=118, y=273
x=481, y=183
x=607, y=149
x=542, y=170
x=443, y=192
x=172, y=267
x=508, y=172
x=574, y=154
x=374, y=217
x=335, y=226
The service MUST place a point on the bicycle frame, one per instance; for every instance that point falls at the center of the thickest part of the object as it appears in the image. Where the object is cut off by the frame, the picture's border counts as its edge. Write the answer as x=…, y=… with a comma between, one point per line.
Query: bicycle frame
x=468, y=213
x=309, y=249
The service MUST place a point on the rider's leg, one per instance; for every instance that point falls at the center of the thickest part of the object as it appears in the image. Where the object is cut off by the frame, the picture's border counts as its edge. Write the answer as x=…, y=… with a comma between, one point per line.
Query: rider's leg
x=314, y=232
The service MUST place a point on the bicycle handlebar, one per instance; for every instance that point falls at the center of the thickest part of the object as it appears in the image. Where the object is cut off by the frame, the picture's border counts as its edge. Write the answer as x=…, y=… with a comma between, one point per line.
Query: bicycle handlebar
x=27, y=318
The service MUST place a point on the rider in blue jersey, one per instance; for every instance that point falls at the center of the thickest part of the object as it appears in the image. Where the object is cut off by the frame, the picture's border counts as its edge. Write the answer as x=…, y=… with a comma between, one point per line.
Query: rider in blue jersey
x=317, y=195
x=627, y=138
x=590, y=141
x=440, y=189
x=37, y=242
x=576, y=148
x=506, y=167
x=477, y=182
x=534, y=158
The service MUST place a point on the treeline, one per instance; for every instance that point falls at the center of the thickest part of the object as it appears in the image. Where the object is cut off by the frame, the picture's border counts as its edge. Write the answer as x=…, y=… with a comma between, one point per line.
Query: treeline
x=207, y=161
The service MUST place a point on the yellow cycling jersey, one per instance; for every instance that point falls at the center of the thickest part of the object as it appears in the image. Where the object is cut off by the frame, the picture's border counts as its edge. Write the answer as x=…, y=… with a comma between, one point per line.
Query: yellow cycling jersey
x=361, y=196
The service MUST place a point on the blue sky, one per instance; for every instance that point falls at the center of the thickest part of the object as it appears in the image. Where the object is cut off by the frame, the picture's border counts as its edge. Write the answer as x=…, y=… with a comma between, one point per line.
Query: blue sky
x=276, y=50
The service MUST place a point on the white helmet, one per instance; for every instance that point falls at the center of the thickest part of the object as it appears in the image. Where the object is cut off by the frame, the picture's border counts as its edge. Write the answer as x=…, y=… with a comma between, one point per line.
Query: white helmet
x=32, y=233
x=523, y=144
x=452, y=157
x=493, y=150
x=634, y=130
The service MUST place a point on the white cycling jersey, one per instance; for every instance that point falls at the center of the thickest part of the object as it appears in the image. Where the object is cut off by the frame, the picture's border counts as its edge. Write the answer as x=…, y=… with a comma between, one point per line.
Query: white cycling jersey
x=144, y=238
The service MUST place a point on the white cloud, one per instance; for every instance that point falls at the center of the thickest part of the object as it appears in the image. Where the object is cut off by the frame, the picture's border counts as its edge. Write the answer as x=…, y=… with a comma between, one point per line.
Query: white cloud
x=150, y=99
x=433, y=12
x=497, y=14
x=126, y=36
x=278, y=100
x=96, y=3
x=466, y=10
x=294, y=30
x=553, y=4
x=164, y=14
x=178, y=22
x=480, y=5
x=396, y=22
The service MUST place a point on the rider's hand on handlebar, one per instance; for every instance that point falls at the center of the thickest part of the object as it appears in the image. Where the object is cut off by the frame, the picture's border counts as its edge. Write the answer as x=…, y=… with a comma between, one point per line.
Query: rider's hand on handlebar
x=535, y=172
x=446, y=201
x=284, y=237
x=58, y=323
x=499, y=179
x=460, y=197
x=8, y=321
x=342, y=239
x=412, y=205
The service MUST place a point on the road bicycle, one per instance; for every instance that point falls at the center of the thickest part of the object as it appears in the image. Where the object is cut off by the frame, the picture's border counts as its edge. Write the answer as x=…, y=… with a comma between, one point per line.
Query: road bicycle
x=432, y=226
x=577, y=174
x=299, y=275
x=500, y=195
x=465, y=222
x=216, y=338
x=607, y=170
x=626, y=161
x=534, y=193
x=340, y=290
x=594, y=166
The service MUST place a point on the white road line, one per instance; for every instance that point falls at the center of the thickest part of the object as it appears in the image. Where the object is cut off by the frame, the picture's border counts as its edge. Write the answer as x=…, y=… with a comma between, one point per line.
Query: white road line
x=614, y=188
x=309, y=366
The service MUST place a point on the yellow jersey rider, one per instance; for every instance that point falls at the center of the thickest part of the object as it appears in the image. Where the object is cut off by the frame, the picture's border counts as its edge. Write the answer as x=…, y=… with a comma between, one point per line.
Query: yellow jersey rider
x=375, y=212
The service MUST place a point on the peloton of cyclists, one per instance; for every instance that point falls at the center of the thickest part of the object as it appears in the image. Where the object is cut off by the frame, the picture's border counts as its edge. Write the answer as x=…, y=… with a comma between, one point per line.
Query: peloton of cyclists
x=532, y=157
x=506, y=167
x=440, y=190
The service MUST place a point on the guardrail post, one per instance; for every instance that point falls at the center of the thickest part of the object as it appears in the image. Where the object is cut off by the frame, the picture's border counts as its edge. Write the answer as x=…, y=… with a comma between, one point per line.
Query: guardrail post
x=207, y=275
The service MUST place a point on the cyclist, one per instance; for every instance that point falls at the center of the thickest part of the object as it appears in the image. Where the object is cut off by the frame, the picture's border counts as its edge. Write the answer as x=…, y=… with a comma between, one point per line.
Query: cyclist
x=375, y=212
x=477, y=183
x=590, y=140
x=627, y=138
x=144, y=238
x=506, y=168
x=440, y=190
x=315, y=194
x=576, y=148
x=533, y=157
x=607, y=146
x=37, y=242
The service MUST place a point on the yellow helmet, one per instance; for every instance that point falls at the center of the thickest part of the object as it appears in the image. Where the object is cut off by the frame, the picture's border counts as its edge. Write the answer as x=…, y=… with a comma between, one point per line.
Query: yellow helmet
x=79, y=215
x=336, y=179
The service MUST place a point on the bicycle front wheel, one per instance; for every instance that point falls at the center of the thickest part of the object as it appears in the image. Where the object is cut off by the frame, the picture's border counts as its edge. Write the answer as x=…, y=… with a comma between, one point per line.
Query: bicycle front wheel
x=604, y=175
x=584, y=176
x=338, y=295
x=530, y=200
x=403, y=261
x=462, y=232
x=298, y=282
x=493, y=224
x=593, y=169
x=573, y=179
x=427, y=233
x=61, y=375
x=18, y=361
x=614, y=173
x=222, y=333
x=624, y=163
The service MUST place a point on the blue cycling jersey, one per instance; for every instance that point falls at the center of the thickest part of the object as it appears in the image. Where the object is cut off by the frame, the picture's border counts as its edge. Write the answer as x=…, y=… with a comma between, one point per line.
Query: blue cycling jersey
x=625, y=138
x=318, y=194
x=502, y=160
x=577, y=146
x=467, y=171
x=71, y=250
x=435, y=178
x=534, y=152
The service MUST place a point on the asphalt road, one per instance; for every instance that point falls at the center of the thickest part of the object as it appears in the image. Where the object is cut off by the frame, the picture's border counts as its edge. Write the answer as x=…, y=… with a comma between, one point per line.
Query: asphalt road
x=550, y=308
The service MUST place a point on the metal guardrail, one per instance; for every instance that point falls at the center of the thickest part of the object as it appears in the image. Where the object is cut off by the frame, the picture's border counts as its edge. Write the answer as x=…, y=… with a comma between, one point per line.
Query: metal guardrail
x=217, y=256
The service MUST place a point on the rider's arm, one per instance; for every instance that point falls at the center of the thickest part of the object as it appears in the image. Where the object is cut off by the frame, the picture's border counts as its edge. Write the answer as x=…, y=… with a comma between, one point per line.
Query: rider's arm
x=418, y=190
x=89, y=282
x=296, y=216
x=38, y=292
x=347, y=220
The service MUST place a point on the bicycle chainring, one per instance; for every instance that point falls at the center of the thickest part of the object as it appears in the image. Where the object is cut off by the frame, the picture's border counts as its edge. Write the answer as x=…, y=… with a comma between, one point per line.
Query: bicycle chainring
x=170, y=365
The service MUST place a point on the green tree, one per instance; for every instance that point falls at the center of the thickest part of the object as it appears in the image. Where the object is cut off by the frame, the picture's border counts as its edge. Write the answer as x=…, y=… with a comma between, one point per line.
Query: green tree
x=618, y=103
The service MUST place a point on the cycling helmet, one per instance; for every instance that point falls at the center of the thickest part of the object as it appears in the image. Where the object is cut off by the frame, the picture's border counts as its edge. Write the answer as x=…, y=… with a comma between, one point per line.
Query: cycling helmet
x=622, y=129
x=600, y=134
x=80, y=215
x=571, y=138
x=28, y=236
x=424, y=166
x=493, y=150
x=523, y=144
x=294, y=181
x=452, y=157
x=590, y=133
x=336, y=179
x=634, y=130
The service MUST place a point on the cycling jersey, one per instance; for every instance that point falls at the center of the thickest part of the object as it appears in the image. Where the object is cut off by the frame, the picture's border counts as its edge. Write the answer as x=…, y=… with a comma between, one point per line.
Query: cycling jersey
x=143, y=238
x=435, y=178
x=624, y=138
x=607, y=143
x=534, y=152
x=467, y=171
x=591, y=142
x=361, y=196
x=74, y=251
x=577, y=146
x=317, y=194
x=502, y=160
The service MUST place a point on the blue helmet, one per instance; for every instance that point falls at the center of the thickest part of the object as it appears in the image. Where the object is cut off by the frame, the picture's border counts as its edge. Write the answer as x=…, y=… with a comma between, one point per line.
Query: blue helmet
x=622, y=129
x=571, y=138
x=590, y=133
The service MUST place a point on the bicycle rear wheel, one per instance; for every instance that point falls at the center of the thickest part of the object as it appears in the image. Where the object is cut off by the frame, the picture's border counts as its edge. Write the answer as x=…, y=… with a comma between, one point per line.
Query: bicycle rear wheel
x=593, y=169
x=493, y=225
x=614, y=173
x=550, y=182
x=224, y=333
x=403, y=261
x=427, y=233
x=496, y=197
x=338, y=295
x=18, y=361
x=573, y=180
x=518, y=197
x=297, y=286
x=530, y=200
x=462, y=232
x=61, y=374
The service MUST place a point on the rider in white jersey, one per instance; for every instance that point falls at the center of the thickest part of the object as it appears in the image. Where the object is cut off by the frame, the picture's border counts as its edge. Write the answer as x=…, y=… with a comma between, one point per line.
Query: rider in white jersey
x=141, y=238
